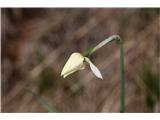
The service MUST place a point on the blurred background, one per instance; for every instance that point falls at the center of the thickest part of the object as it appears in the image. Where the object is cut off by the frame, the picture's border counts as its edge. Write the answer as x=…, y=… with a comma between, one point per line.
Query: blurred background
x=36, y=44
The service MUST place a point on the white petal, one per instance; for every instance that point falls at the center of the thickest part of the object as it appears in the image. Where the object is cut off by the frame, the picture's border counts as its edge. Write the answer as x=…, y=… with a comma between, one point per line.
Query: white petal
x=64, y=76
x=94, y=68
x=81, y=68
x=74, y=63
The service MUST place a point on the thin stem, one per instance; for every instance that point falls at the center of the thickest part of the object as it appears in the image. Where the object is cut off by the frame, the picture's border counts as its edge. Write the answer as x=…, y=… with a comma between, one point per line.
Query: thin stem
x=104, y=42
x=122, y=79
x=101, y=44
x=122, y=71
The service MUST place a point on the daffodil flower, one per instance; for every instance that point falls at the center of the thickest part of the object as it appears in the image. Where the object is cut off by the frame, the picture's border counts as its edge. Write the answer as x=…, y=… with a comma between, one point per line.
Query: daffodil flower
x=78, y=62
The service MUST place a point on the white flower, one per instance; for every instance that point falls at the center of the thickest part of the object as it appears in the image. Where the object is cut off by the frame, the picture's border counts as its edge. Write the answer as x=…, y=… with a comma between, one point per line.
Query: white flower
x=78, y=62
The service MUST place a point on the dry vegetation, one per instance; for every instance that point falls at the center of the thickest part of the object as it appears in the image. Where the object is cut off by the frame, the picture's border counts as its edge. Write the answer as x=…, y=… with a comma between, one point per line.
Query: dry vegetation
x=37, y=42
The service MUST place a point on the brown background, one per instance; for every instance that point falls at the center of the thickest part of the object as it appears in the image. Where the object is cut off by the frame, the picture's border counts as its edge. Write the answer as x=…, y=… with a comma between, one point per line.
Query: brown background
x=37, y=42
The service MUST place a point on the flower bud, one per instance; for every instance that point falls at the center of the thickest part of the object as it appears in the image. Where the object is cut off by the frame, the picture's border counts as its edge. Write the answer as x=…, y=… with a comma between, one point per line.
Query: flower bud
x=74, y=63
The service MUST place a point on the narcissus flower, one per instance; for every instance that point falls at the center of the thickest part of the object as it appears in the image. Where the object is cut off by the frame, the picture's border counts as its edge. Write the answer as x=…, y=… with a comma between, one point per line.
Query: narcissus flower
x=78, y=62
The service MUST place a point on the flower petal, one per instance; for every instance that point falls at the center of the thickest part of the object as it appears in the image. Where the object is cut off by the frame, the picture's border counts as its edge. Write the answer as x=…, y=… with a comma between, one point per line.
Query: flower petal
x=94, y=68
x=74, y=63
x=81, y=68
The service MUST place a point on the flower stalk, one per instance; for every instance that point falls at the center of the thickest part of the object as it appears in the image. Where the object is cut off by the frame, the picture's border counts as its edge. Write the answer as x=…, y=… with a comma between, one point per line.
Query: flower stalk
x=78, y=61
x=122, y=79
x=122, y=69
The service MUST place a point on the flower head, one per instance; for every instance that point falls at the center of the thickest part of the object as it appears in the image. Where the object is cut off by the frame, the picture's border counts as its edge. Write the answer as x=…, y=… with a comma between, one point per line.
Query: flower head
x=78, y=62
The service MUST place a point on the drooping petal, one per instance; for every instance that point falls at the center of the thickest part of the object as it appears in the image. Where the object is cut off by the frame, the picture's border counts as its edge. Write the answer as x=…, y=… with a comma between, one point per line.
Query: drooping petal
x=80, y=68
x=74, y=63
x=94, y=68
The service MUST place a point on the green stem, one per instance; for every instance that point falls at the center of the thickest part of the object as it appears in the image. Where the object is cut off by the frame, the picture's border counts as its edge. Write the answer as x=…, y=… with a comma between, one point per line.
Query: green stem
x=122, y=79
x=101, y=44
x=122, y=71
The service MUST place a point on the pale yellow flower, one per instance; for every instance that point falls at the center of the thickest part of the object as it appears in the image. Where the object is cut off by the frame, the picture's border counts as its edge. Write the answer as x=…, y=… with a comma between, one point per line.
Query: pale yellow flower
x=78, y=62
